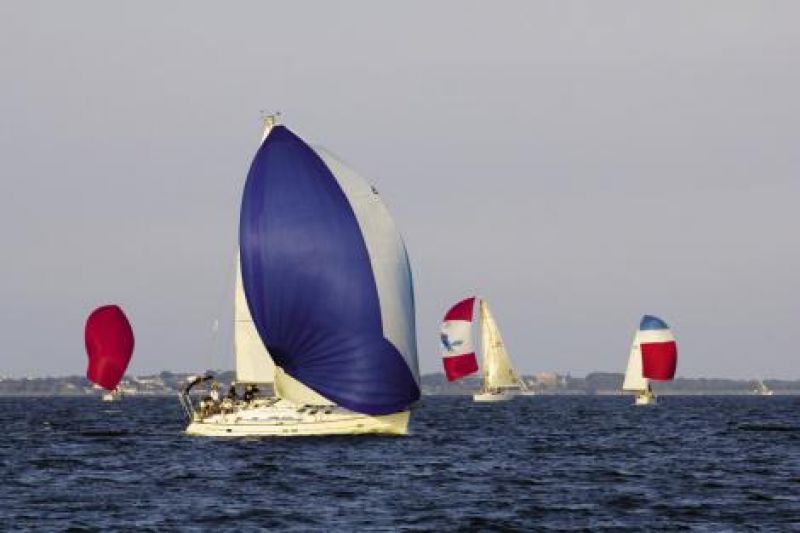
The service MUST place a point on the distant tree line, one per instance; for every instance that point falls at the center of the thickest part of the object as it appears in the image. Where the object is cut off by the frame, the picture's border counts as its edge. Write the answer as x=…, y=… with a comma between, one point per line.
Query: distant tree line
x=436, y=383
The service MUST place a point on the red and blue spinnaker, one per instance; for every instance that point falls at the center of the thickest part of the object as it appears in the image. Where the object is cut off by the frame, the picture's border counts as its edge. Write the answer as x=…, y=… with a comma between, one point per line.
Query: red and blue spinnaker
x=659, y=349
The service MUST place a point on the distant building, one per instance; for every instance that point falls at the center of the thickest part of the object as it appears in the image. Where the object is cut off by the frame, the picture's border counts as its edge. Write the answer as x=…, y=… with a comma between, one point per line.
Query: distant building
x=548, y=380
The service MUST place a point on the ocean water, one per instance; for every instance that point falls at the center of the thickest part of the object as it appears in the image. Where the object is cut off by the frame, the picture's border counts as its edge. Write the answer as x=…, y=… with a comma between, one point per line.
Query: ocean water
x=536, y=463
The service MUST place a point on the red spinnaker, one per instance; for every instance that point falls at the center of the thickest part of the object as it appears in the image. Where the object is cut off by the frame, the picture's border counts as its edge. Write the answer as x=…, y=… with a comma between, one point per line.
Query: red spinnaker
x=109, y=345
x=659, y=360
x=460, y=366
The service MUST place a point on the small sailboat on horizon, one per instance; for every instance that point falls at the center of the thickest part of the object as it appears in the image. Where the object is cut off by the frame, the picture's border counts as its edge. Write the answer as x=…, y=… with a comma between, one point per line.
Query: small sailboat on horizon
x=762, y=389
x=109, y=341
x=653, y=356
x=324, y=304
x=500, y=381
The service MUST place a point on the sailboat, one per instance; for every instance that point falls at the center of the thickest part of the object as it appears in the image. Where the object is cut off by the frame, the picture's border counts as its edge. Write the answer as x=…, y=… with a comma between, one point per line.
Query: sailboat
x=109, y=346
x=500, y=380
x=653, y=356
x=324, y=305
x=762, y=389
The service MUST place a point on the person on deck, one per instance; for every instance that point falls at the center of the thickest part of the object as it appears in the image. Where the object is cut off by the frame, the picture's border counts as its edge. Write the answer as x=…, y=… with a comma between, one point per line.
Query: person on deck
x=232, y=393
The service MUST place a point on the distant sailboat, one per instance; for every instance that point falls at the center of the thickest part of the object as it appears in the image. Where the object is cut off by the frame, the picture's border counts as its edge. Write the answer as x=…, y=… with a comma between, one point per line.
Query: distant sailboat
x=500, y=380
x=762, y=389
x=653, y=356
x=109, y=346
x=324, y=305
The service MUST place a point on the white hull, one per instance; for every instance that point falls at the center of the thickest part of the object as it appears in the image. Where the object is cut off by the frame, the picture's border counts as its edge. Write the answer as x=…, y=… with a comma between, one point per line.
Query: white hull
x=646, y=398
x=271, y=418
x=492, y=396
x=112, y=397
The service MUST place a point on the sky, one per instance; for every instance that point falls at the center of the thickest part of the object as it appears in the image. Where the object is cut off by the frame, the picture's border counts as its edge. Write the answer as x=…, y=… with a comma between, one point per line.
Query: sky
x=577, y=164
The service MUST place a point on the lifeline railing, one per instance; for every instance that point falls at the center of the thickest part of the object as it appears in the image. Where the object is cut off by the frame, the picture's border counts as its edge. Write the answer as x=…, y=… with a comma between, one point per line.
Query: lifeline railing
x=186, y=403
x=186, y=400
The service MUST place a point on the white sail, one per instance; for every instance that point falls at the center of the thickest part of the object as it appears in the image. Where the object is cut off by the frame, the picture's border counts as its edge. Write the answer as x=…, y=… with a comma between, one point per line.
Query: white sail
x=288, y=388
x=253, y=362
x=497, y=369
x=634, y=380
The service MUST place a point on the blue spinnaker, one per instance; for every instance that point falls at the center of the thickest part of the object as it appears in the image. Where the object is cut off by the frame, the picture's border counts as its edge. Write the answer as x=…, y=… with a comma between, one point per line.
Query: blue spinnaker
x=309, y=282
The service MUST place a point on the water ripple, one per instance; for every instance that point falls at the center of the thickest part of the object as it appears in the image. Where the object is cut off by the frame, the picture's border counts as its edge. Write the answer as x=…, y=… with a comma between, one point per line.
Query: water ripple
x=544, y=463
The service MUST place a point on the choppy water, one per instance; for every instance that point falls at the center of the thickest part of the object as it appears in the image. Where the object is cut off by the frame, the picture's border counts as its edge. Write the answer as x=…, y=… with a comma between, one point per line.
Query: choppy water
x=534, y=463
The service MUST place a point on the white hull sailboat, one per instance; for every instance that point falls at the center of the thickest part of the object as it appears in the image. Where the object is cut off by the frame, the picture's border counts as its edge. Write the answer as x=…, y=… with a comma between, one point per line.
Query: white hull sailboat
x=500, y=381
x=112, y=396
x=645, y=397
x=762, y=389
x=494, y=396
x=275, y=417
x=653, y=355
x=341, y=373
x=109, y=346
x=634, y=381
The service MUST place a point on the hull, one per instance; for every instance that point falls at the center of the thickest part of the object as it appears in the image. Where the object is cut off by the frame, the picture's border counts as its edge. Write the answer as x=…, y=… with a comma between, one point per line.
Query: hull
x=493, y=396
x=646, y=398
x=284, y=419
x=112, y=397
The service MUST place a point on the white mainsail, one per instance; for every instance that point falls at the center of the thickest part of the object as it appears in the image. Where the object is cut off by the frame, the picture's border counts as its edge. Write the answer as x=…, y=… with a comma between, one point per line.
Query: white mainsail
x=497, y=369
x=253, y=362
x=634, y=380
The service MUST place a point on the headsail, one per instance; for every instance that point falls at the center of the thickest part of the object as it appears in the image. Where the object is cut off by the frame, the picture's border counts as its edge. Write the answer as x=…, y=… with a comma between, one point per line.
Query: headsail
x=327, y=278
x=458, y=355
x=497, y=369
x=253, y=362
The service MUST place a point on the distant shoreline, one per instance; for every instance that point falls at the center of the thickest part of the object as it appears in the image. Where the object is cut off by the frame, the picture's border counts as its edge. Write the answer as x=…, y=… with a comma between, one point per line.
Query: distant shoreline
x=425, y=394
x=434, y=384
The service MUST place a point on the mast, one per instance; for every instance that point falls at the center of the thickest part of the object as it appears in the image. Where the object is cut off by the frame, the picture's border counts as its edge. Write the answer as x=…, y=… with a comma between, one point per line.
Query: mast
x=270, y=119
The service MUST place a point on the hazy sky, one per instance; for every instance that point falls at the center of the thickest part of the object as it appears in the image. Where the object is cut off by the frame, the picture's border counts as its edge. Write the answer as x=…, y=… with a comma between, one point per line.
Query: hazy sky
x=579, y=164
